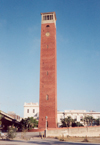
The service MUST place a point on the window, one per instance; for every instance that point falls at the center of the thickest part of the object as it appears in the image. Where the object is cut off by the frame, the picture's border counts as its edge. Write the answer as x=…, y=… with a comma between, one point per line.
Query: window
x=47, y=26
x=47, y=46
x=44, y=17
x=27, y=110
x=47, y=72
x=51, y=17
x=47, y=97
x=48, y=17
x=33, y=110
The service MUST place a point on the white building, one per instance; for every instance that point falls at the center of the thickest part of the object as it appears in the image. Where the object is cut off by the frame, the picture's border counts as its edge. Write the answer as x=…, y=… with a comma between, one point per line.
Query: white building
x=31, y=110
x=78, y=115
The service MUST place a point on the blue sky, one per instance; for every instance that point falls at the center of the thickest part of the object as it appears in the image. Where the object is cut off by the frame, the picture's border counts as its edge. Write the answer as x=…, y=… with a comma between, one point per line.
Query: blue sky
x=78, y=53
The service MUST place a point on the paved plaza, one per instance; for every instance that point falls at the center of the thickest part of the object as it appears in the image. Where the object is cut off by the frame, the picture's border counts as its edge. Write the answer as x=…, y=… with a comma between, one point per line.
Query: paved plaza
x=39, y=141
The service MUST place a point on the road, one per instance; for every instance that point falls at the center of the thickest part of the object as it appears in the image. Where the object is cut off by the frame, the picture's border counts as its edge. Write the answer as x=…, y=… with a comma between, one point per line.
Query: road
x=39, y=141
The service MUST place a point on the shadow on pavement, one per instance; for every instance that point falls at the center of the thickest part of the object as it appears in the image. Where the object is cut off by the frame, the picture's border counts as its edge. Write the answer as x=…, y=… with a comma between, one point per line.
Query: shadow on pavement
x=44, y=142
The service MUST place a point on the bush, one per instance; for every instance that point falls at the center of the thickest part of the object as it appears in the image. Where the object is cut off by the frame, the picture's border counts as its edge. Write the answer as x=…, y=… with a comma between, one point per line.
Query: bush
x=61, y=139
x=85, y=139
x=11, y=133
x=77, y=124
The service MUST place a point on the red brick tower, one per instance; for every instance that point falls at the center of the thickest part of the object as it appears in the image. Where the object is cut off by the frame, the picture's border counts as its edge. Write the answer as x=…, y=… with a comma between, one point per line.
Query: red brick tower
x=48, y=72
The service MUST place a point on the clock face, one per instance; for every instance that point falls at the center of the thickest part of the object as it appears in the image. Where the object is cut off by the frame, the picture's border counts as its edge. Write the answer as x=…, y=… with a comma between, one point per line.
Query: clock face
x=47, y=34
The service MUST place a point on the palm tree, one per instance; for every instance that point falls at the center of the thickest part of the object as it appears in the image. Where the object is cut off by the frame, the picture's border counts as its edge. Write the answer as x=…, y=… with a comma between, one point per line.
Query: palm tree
x=91, y=119
x=28, y=123
x=97, y=121
x=88, y=120
x=67, y=122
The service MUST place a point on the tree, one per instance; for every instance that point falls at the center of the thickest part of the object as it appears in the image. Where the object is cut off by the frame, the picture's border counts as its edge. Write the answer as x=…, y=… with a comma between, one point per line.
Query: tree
x=91, y=119
x=32, y=122
x=28, y=123
x=67, y=122
x=97, y=121
x=88, y=120
x=78, y=124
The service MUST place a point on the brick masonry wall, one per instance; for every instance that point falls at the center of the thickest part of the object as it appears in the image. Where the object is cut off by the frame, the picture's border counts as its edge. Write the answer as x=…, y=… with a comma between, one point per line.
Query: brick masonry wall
x=48, y=77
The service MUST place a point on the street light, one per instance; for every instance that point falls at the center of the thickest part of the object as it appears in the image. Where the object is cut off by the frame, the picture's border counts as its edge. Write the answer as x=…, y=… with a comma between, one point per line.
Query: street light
x=46, y=126
x=46, y=122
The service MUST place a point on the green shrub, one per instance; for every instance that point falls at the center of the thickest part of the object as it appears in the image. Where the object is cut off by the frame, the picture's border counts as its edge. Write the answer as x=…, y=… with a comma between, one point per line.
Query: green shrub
x=11, y=133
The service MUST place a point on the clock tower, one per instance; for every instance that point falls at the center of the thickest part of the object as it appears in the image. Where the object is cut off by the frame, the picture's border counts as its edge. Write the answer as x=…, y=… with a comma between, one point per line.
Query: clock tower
x=48, y=72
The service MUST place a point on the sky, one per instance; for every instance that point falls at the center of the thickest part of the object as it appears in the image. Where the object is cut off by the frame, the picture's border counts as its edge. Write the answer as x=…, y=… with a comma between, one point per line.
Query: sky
x=78, y=53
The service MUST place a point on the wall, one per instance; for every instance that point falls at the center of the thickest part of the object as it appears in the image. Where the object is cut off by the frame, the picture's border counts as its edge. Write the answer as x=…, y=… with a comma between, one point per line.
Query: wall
x=75, y=131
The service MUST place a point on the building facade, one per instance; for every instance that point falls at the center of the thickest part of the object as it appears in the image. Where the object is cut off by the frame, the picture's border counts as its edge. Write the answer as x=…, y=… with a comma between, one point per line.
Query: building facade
x=48, y=72
x=15, y=116
x=31, y=110
x=78, y=115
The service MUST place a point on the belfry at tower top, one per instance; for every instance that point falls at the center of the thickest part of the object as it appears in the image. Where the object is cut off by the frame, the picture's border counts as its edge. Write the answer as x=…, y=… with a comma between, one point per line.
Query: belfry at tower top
x=49, y=17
